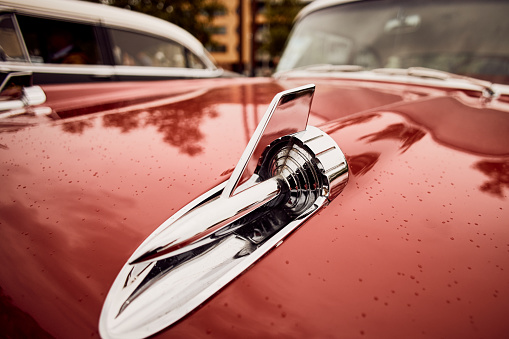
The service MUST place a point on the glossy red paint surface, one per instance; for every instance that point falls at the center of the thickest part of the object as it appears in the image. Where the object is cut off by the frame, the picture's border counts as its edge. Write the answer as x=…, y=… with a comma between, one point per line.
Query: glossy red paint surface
x=417, y=245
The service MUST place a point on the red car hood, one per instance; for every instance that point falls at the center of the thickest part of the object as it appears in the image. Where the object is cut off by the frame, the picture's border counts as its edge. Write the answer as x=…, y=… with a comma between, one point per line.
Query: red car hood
x=416, y=245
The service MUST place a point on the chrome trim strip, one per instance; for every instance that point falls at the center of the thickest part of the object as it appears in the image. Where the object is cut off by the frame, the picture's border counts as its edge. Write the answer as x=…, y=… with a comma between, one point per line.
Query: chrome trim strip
x=108, y=71
x=92, y=70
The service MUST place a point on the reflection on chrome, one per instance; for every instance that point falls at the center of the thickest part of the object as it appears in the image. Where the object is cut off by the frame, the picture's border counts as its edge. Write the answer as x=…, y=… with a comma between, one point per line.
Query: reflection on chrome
x=17, y=92
x=217, y=236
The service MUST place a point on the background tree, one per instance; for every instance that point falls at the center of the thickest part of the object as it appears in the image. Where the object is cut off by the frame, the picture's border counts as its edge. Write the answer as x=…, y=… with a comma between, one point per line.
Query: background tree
x=280, y=15
x=194, y=16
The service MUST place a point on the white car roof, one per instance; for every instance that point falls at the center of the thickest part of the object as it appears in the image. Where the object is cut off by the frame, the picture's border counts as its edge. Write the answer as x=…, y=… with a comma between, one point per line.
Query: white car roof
x=320, y=4
x=109, y=16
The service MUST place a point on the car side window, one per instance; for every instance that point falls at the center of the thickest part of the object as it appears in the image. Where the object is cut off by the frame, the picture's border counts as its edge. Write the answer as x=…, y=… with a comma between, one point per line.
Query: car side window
x=59, y=42
x=194, y=61
x=134, y=49
x=10, y=46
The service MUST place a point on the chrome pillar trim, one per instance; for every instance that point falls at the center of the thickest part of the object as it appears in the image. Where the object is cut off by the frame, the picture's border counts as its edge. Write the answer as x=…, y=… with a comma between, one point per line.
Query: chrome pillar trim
x=213, y=239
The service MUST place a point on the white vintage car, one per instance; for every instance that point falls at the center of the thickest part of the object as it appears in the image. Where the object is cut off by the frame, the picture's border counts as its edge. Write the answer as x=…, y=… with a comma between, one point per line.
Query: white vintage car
x=77, y=41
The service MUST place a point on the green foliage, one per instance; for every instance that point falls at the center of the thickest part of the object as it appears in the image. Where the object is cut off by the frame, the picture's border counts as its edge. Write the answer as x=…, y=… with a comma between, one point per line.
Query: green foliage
x=193, y=16
x=280, y=15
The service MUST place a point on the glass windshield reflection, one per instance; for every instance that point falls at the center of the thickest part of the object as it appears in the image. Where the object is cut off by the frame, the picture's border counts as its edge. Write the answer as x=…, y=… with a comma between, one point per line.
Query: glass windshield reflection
x=461, y=37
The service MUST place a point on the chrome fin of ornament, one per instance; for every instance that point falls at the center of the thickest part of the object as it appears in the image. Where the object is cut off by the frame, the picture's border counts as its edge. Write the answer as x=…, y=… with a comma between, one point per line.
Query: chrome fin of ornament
x=287, y=172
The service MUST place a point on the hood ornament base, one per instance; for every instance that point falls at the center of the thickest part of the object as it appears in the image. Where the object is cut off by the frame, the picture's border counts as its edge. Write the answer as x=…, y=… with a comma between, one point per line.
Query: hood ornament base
x=286, y=173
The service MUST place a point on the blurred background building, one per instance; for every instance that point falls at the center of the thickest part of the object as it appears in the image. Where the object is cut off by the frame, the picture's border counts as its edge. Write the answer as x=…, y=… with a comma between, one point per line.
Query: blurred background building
x=245, y=36
x=250, y=34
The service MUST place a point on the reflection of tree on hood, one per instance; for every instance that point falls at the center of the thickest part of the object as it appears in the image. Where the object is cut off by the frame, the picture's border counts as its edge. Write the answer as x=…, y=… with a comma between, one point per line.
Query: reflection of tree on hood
x=179, y=123
x=498, y=174
x=406, y=134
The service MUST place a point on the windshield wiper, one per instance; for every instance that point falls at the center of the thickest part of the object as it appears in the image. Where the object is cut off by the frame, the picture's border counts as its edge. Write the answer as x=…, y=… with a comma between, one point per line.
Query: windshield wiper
x=423, y=72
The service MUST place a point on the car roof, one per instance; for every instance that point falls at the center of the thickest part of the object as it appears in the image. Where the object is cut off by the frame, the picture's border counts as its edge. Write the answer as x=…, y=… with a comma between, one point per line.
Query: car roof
x=108, y=15
x=320, y=4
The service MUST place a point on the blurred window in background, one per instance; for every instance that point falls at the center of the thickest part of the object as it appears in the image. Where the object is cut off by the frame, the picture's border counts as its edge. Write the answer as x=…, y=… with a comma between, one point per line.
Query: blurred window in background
x=10, y=46
x=193, y=61
x=134, y=49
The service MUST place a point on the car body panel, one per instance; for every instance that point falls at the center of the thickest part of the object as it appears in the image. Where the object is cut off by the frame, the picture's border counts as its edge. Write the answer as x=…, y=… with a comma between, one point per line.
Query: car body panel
x=416, y=244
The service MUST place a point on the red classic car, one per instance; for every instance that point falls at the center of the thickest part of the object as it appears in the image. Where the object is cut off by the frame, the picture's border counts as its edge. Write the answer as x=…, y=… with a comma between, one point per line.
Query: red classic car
x=361, y=192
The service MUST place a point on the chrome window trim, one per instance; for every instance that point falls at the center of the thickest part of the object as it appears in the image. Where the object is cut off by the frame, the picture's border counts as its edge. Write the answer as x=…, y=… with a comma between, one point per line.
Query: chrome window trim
x=167, y=71
x=109, y=71
x=100, y=70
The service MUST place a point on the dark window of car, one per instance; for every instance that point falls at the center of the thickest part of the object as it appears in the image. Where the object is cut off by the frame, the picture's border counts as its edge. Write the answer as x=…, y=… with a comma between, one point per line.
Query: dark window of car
x=59, y=42
x=10, y=46
x=134, y=49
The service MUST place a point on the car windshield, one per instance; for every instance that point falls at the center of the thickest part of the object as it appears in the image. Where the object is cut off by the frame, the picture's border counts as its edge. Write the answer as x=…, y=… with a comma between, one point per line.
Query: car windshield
x=463, y=37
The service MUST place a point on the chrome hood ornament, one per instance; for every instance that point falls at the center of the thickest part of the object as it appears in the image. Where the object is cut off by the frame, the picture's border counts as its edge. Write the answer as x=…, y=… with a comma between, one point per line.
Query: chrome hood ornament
x=286, y=173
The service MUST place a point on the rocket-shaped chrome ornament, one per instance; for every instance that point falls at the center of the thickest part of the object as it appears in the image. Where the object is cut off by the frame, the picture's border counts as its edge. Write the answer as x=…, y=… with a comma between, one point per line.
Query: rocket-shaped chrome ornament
x=287, y=172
